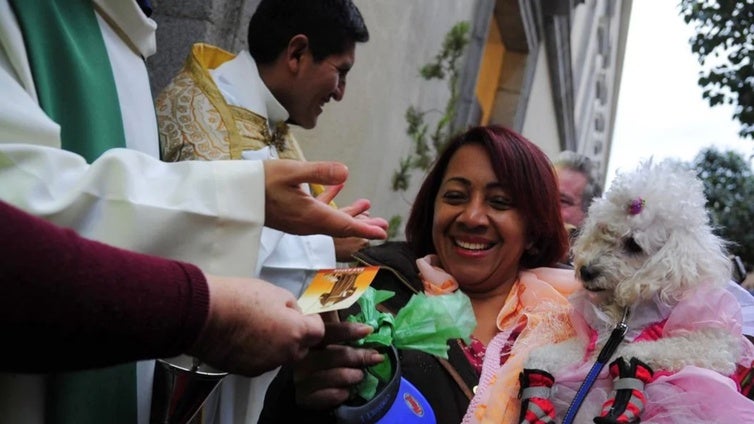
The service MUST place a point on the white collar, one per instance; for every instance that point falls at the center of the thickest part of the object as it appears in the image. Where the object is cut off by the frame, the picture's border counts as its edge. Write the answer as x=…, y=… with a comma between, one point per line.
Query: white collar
x=240, y=83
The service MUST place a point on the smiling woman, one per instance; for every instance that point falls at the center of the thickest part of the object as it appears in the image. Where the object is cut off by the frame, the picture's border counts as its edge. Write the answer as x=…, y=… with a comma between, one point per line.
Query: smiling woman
x=488, y=218
x=477, y=232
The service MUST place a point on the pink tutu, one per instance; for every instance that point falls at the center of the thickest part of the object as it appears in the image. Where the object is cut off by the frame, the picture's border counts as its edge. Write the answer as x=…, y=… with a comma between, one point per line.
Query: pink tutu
x=691, y=395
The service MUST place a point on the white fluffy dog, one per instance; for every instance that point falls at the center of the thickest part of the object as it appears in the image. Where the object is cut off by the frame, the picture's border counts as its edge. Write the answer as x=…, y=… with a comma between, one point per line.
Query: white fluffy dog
x=646, y=255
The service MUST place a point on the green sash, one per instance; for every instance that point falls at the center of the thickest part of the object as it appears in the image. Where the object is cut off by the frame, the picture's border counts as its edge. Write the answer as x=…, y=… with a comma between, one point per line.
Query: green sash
x=76, y=88
x=72, y=73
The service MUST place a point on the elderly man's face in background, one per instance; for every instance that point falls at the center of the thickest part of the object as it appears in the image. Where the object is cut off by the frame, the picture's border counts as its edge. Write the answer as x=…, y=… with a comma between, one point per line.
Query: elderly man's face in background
x=571, y=185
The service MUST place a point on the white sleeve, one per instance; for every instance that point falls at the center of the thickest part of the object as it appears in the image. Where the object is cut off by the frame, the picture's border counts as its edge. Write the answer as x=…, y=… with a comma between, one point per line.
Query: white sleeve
x=207, y=213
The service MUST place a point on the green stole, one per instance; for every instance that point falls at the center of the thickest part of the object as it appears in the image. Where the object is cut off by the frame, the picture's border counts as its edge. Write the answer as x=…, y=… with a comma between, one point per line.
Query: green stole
x=72, y=73
x=76, y=89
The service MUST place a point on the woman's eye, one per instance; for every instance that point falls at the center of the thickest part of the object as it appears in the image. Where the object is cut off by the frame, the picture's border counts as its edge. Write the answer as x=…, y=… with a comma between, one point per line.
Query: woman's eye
x=631, y=245
x=453, y=196
x=501, y=203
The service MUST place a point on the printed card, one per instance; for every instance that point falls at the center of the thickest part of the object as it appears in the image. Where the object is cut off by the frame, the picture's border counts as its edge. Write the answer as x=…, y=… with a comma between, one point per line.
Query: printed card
x=334, y=289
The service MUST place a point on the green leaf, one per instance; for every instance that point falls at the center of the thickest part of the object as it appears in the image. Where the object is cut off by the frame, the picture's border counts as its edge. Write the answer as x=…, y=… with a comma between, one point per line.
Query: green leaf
x=724, y=46
x=728, y=181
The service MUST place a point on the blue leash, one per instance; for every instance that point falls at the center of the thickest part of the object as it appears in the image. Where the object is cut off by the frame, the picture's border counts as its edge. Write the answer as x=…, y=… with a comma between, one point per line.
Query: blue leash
x=616, y=337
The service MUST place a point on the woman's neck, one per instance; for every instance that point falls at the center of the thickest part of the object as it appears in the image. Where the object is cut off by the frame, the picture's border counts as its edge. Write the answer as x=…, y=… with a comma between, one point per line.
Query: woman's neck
x=486, y=307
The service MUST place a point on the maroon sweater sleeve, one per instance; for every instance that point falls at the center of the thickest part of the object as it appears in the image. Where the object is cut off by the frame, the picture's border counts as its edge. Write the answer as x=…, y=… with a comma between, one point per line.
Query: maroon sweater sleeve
x=69, y=303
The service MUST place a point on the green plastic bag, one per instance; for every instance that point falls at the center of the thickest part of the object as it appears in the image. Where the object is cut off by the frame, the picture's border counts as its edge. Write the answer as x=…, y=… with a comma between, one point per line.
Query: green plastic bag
x=425, y=323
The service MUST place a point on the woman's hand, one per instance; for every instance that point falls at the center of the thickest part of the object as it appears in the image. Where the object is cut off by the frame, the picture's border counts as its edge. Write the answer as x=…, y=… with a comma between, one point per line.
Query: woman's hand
x=325, y=377
x=345, y=247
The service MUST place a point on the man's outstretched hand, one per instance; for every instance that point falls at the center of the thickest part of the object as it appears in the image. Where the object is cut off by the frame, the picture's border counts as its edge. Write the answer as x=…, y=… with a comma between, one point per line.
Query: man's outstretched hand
x=290, y=209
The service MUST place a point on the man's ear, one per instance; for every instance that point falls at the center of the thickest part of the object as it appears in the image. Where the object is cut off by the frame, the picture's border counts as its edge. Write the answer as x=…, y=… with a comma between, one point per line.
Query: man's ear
x=297, y=47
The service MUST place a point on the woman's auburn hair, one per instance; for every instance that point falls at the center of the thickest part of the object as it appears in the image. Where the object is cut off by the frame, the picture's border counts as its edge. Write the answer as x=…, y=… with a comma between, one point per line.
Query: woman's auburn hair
x=526, y=174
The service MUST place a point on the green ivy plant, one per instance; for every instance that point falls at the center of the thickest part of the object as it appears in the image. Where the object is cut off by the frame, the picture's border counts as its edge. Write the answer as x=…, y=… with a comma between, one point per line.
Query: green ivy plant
x=428, y=140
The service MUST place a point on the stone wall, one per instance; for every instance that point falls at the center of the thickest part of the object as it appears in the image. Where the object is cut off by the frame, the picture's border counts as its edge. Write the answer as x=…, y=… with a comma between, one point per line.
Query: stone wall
x=181, y=23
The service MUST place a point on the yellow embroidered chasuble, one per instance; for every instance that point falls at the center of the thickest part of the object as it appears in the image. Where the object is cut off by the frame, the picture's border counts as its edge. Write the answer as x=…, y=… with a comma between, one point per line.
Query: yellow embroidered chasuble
x=196, y=123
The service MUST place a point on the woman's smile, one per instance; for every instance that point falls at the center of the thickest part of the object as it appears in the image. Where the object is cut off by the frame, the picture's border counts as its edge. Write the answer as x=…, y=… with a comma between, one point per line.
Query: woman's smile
x=479, y=234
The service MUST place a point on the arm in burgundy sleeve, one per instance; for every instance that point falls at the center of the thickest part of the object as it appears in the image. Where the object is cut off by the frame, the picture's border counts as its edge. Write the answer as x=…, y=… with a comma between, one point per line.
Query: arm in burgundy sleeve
x=69, y=303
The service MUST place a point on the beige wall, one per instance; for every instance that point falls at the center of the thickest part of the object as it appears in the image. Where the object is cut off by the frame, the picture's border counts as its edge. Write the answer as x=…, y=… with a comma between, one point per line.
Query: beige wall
x=540, y=125
x=367, y=130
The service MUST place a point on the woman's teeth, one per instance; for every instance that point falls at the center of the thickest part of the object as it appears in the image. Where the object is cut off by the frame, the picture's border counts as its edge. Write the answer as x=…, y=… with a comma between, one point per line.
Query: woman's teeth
x=471, y=246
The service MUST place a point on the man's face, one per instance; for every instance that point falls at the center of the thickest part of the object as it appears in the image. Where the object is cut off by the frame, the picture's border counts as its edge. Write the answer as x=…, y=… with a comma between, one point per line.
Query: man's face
x=317, y=83
x=571, y=185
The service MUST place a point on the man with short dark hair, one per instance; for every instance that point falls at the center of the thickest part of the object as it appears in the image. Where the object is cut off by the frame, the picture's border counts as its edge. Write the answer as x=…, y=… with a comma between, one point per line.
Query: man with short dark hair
x=226, y=106
x=301, y=45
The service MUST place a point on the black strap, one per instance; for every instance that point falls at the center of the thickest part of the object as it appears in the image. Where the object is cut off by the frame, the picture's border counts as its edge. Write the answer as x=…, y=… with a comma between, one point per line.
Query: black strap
x=456, y=377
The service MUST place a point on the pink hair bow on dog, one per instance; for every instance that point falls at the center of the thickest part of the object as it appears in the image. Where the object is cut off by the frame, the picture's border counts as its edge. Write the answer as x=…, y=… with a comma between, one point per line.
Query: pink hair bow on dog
x=636, y=206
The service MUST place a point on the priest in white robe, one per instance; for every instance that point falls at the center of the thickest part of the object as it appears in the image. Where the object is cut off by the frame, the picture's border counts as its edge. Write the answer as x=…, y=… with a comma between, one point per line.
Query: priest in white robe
x=208, y=213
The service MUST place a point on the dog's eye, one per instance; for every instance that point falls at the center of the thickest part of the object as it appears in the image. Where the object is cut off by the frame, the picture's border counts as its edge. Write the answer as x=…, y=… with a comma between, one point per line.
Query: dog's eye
x=631, y=246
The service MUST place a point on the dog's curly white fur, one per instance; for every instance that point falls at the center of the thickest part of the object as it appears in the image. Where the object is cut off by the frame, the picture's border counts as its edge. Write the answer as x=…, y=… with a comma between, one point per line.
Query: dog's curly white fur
x=650, y=237
x=666, y=249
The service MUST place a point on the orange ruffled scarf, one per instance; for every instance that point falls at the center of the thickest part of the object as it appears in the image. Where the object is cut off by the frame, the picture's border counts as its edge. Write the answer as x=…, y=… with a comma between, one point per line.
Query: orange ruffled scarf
x=537, y=306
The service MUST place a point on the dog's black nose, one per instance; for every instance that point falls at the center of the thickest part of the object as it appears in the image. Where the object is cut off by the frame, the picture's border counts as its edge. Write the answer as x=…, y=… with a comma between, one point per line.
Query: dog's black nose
x=587, y=273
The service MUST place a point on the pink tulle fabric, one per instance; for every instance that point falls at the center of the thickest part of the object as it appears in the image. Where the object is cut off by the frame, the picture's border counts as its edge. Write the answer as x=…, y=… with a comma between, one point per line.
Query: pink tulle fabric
x=537, y=305
x=692, y=395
